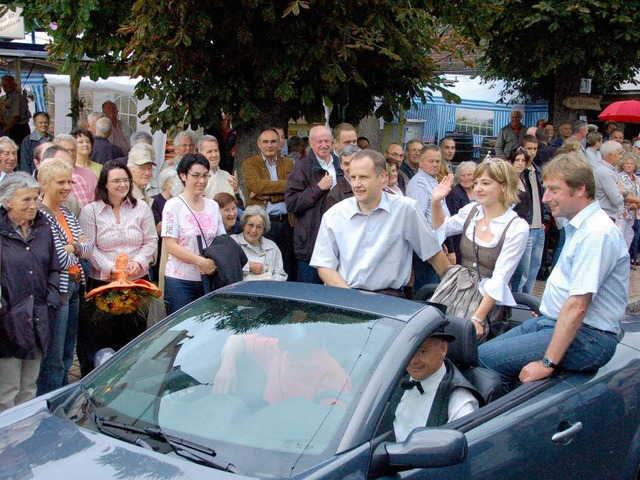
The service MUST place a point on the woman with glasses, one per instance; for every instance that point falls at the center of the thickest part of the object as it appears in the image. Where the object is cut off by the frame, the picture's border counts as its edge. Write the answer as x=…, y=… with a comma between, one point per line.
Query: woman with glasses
x=265, y=258
x=229, y=209
x=116, y=222
x=493, y=239
x=190, y=222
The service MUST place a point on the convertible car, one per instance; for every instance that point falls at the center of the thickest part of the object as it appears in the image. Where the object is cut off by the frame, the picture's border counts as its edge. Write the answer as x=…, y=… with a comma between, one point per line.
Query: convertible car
x=286, y=380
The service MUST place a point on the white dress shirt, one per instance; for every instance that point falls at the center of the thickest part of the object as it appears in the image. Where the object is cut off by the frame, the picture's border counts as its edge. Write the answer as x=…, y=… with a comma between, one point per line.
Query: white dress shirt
x=414, y=408
x=374, y=251
x=515, y=241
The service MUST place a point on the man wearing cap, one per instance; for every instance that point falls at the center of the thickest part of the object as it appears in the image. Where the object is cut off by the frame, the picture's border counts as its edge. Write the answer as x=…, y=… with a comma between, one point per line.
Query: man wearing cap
x=141, y=163
x=436, y=392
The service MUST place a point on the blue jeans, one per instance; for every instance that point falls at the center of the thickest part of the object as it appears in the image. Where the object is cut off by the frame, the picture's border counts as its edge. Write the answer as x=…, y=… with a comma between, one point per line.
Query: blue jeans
x=54, y=369
x=307, y=273
x=510, y=352
x=178, y=293
x=524, y=278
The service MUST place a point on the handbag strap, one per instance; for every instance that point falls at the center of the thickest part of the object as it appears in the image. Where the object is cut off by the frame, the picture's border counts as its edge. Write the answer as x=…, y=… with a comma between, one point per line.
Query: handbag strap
x=196, y=219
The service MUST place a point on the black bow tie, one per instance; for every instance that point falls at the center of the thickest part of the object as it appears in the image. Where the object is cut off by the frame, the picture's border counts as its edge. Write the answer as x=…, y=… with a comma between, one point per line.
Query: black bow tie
x=409, y=384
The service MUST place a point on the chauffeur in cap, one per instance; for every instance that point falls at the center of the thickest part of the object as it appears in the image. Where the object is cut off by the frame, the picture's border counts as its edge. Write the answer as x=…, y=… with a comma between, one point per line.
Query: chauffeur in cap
x=436, y=393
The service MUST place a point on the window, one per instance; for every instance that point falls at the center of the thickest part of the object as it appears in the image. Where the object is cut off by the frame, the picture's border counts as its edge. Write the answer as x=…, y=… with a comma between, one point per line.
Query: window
x=128, y=110
x=476, y=122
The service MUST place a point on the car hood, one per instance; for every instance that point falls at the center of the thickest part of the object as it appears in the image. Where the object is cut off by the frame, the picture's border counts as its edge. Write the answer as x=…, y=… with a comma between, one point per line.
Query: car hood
x=35, y=444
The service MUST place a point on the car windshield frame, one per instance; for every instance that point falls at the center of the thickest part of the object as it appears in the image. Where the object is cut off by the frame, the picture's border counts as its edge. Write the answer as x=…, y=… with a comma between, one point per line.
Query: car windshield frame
x=167, y=378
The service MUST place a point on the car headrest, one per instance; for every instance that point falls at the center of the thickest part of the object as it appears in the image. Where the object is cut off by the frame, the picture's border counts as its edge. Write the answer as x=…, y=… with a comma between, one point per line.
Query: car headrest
x=464, y=350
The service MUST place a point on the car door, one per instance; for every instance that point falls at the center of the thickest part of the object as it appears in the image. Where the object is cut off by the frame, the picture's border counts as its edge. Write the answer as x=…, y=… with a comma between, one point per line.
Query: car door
x=527, y=434
x=609, y=414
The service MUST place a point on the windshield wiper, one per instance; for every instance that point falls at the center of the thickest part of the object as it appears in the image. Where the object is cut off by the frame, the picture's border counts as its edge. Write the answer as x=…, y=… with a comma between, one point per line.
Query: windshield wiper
x=177, y=444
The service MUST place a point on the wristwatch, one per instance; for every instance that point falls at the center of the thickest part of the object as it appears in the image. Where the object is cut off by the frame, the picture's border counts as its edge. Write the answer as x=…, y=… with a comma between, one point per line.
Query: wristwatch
x=548, y=363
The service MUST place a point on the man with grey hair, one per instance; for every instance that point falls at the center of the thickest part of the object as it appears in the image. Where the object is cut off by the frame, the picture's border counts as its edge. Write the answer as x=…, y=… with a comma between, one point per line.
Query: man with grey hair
x=420, y=189
x=411, y=164
x=307, y=188
x=140, y=137
x=120, y=131
x=8, y=154
x=103, y=149
x=92, y=118
x=366, y=241
x=141, y=163
x=183, y=143
x=579, y=131
x=610, y=191
x=511, y=135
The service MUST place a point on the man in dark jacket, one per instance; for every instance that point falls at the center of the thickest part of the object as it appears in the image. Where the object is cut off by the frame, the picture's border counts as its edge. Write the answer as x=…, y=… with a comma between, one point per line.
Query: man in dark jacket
x=307, y=187
x=103, y=149
x=39, y=136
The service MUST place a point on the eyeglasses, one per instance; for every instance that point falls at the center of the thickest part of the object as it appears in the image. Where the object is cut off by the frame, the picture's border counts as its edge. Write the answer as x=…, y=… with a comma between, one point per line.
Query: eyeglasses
x=257, y=227
x=197, y=176
x=118, y=181
x=229, y=211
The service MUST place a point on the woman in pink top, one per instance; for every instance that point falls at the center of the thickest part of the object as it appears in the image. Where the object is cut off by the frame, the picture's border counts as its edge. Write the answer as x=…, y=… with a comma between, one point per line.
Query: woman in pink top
x=190, y=222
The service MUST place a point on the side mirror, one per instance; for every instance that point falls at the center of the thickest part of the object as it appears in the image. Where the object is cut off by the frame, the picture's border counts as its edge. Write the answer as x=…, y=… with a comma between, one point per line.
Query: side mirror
x=426, y=448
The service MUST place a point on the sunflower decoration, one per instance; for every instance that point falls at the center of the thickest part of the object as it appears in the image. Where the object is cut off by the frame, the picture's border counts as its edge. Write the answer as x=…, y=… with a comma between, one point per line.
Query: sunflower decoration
x=122, y=296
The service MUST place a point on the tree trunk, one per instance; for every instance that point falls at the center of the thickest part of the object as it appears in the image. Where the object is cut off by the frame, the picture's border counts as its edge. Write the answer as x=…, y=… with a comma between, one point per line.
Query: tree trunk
x=74, y=87
x=369, y=127
x=567, y=84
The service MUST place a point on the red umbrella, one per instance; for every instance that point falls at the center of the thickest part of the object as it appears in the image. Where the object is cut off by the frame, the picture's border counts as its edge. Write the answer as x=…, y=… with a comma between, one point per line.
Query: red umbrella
x=623, y=111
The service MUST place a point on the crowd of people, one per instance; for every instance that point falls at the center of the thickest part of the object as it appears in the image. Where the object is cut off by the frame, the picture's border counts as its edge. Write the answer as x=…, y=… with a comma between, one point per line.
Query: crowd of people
x=335, y=213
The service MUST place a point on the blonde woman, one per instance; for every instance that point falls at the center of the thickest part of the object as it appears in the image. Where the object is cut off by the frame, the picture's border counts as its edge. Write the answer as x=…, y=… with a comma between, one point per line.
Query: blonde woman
x=493, y=240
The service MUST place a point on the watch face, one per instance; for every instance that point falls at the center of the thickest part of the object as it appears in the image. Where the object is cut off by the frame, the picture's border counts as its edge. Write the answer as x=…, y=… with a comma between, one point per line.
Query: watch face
x=545, y=362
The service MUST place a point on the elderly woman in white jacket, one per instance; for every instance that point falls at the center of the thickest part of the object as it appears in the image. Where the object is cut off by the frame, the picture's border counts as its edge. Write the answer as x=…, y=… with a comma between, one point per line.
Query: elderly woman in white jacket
x=265, y=259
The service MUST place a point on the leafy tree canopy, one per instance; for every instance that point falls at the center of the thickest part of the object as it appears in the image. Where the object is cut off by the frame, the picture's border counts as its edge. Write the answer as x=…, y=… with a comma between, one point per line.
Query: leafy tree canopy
x=544, y=48
x=265, y=60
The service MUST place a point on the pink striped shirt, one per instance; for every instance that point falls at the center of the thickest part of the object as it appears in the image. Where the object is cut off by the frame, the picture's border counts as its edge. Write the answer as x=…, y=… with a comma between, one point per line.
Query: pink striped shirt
x=81, y=191
x=135, y=234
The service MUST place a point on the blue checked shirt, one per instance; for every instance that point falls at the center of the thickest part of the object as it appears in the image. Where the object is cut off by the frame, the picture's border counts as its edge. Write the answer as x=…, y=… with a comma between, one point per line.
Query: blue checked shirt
x=594, y=260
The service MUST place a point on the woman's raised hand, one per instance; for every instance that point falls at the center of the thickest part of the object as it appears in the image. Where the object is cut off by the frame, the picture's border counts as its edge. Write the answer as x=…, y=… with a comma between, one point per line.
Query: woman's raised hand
x=443, y=188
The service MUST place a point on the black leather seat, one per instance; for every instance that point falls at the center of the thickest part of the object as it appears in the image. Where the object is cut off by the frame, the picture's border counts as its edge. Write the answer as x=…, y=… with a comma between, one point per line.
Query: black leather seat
x=463, y=352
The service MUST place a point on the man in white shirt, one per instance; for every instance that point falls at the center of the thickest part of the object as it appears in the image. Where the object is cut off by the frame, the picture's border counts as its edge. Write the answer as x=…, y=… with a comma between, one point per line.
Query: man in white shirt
x=366, y=241
x=436, y=393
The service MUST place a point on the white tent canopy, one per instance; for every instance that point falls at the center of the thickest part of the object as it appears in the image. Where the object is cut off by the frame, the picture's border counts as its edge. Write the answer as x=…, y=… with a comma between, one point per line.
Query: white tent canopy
x=101, y=90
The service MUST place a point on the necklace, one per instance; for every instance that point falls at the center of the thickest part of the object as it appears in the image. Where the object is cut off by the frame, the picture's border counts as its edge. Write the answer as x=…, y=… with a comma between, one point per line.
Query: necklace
x=485, y=226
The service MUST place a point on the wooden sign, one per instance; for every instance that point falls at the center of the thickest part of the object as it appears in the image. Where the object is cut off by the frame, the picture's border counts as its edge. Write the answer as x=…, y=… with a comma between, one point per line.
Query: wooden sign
x=583, y=103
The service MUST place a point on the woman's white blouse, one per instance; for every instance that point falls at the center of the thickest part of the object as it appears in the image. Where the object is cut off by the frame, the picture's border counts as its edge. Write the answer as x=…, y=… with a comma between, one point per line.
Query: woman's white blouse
x=515, y=241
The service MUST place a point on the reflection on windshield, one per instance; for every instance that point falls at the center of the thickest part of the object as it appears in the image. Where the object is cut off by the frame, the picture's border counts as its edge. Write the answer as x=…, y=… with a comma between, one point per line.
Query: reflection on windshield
x=249, y=377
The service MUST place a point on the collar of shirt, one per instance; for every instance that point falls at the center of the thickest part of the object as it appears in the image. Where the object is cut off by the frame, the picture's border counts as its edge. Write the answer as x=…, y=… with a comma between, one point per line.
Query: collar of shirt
x=102, y=206
x=269, y=165
x=504, y=218
x=430, y=384
x=212, y=173
x=606, y=164
x=580, y=217
x=382, y=205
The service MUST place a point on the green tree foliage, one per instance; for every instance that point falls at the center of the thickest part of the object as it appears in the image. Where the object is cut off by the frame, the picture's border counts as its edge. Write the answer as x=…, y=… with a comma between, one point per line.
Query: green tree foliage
x=543, y=48
x=265, y=61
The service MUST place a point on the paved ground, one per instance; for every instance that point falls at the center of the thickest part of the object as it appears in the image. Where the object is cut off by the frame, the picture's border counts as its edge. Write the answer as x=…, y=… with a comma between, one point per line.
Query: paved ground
x=634, y=307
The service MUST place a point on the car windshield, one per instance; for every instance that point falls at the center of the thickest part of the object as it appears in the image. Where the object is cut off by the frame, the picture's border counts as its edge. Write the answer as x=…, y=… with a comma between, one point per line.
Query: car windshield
x=269, y=384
